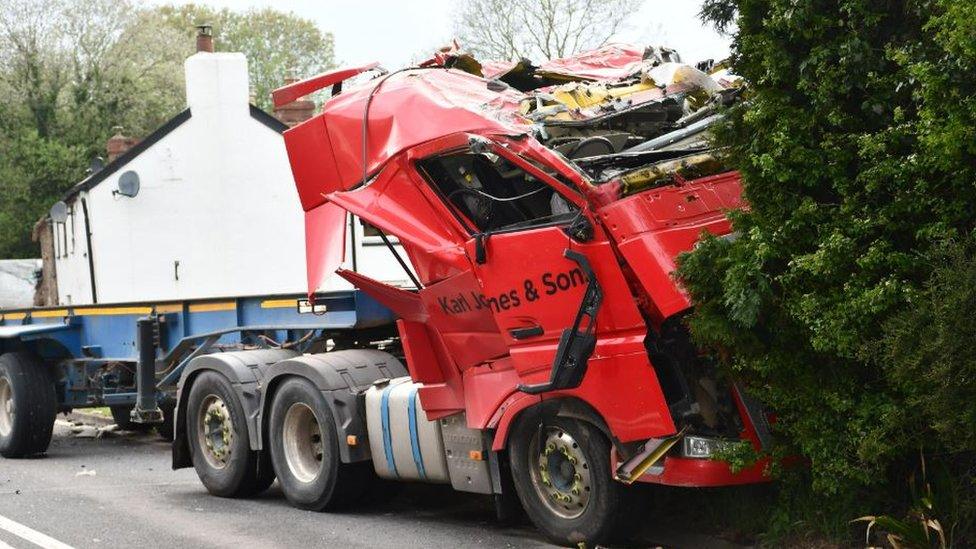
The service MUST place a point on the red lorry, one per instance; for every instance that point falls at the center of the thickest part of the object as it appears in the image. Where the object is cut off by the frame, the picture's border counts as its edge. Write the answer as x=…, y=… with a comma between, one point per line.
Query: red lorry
x=541, y=210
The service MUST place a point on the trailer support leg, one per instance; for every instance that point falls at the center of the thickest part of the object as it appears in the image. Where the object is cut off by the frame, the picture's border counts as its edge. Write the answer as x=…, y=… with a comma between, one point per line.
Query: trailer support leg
x=147, y=408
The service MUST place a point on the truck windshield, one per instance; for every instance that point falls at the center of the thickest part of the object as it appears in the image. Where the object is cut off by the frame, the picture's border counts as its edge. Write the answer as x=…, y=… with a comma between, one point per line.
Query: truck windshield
x=490, y=194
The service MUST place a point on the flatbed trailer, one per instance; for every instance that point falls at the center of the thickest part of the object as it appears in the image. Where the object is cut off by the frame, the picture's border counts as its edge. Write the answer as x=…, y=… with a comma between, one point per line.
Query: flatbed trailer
x=130, y=356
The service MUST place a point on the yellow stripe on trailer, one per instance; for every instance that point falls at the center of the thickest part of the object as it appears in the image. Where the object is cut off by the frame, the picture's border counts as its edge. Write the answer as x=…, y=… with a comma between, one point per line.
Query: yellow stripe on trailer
x=13, y=316
x=170, y=308
x=50, y=314
x=207, y=307
x=103, y=311
x=279, y=304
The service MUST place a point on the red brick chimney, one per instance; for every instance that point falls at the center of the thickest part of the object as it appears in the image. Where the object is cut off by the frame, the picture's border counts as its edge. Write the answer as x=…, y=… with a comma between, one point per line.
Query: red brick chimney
x=296, y=112
x=118, y=143
x=205, y=38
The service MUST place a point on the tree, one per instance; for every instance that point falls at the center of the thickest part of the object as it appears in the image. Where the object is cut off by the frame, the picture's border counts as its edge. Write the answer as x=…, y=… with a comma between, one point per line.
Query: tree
x=541, y=29
x=276, y=44
x=33, y=172
x=857, y=149
x=70, y=70
x=34, y=69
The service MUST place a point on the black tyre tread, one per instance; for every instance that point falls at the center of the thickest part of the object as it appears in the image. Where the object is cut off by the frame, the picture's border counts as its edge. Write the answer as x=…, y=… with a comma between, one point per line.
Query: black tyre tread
x=34, y=421
x=346, y=484
x=246, y=479
x=598, y=525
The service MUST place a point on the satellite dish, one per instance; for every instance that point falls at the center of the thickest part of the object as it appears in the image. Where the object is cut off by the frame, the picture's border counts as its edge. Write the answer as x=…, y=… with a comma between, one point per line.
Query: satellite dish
x=128, y=184
x=59, y=212
x=96, y=164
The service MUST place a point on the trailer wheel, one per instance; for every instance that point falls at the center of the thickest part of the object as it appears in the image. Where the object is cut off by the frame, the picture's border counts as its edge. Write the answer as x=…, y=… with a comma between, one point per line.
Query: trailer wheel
x=217, y=432
x=28, y=406
x=561, y=468
x=121, y=416
x=305, y=450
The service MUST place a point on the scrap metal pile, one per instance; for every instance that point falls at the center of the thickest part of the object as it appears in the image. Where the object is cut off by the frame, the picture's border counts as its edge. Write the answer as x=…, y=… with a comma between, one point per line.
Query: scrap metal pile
x=635, y=117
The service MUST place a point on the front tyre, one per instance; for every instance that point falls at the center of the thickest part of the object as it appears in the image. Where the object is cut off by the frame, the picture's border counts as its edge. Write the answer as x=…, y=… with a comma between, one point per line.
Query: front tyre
x=305, y=450
x=561, y=469
x=28, y=406
x=217, y=432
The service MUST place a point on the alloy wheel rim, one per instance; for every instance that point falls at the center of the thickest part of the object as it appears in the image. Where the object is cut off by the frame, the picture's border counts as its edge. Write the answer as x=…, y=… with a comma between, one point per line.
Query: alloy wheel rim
x=302, y=441
x=215, y=431
x=560, y=472
x=6, y=407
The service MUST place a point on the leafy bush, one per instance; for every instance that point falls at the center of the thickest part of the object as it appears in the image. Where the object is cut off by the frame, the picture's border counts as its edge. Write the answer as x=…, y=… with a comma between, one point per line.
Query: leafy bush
x=927, y=350
x=857, y=148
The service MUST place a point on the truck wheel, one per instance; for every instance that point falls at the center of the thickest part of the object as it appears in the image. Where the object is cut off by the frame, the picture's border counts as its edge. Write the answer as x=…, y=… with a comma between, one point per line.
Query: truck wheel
x=305, y=450
x=217, y=432
x=561, y=468
x=121, y=416
x=28, y=406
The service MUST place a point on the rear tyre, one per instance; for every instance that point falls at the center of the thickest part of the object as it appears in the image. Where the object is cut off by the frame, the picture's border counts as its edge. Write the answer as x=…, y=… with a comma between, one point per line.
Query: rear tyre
x=305, y=451
x=219, y=447
x=28, y=406
x=561, y=469
x=121, y=416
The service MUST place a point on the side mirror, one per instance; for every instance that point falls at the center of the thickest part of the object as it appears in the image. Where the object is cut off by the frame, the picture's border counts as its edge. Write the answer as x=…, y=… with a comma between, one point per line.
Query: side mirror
x=580, y=230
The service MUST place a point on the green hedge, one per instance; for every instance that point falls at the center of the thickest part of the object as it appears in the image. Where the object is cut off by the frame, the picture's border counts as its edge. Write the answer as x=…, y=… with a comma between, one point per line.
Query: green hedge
x=839, y=303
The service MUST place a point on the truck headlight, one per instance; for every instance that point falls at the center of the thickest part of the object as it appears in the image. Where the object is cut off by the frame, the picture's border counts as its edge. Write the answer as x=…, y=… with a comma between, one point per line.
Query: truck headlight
x=700, y=447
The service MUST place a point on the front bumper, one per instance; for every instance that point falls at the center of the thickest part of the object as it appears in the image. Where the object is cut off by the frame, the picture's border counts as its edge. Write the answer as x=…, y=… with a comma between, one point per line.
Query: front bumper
x=702, y=473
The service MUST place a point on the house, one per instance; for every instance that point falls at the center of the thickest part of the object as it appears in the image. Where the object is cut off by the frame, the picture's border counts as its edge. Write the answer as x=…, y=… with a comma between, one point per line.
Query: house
x=203, y=207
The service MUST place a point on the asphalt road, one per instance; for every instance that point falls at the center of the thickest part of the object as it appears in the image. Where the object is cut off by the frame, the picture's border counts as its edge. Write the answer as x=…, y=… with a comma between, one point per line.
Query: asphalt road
x=119, y=491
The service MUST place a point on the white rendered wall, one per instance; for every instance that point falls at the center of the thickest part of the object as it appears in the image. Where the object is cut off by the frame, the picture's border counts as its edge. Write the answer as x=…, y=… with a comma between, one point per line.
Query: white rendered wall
x=71, y=256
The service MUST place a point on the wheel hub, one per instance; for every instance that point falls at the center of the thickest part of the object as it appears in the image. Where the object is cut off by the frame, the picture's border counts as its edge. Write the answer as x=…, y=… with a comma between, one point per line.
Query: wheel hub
x=560, y=474
x=6, y=407
x=302, y=441
x=216, y=431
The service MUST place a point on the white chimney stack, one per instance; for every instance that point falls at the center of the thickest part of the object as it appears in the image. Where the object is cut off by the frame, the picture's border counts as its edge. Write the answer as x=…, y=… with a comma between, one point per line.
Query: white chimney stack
x=216, y=81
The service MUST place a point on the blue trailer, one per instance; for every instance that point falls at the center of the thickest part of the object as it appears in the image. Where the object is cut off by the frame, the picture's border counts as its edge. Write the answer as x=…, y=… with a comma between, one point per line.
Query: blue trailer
x=130, y=357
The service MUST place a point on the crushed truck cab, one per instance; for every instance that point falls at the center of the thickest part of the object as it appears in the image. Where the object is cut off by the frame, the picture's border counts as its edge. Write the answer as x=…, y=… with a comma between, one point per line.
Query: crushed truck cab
x=541, y=210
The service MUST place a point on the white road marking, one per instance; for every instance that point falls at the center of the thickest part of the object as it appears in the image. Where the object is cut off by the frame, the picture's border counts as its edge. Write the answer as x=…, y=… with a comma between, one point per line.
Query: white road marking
x=4, y=545
x=29, y=534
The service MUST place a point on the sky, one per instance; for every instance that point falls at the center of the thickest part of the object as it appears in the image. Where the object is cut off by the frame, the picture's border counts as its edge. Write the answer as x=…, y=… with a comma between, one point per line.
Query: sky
x=395, y=32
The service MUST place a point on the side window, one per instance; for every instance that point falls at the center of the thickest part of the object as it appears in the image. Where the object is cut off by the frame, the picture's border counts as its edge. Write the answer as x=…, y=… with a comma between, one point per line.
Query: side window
x=489, y=193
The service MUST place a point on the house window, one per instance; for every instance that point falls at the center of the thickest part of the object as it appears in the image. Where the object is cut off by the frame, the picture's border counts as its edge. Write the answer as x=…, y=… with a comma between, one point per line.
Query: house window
x=71, y=216
x=58, y=235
